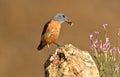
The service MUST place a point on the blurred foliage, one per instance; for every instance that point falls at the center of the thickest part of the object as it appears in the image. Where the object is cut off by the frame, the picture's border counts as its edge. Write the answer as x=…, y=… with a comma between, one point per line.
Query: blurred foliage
x=105, y=54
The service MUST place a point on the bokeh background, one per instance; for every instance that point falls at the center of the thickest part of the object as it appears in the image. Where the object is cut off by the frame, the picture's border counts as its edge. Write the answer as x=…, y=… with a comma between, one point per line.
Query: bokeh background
x=22, y=21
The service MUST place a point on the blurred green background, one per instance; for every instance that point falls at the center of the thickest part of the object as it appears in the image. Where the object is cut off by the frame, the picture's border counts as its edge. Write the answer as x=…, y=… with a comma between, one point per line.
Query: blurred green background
x=22, y=21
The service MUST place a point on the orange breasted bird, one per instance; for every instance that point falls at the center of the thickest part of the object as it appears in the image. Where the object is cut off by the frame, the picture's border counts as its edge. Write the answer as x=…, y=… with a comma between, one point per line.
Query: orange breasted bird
x=52, y=29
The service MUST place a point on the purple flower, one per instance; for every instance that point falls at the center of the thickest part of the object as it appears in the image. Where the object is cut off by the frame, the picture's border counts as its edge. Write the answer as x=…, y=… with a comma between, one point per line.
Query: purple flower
x=90, y=36
x=104, y=47
x=96, y=32
x=94, y=42
x=98, y=46
x=91, y=46
x=101, y=46
x=114, y=49
x=104, y=26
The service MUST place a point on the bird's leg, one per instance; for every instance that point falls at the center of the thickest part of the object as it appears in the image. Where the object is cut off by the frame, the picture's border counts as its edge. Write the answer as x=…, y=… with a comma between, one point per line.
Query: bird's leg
x=56, y=44
x=48, y=47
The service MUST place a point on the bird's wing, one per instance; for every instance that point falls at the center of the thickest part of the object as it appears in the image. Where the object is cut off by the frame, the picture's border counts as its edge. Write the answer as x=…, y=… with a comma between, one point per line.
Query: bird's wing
x=45, y=27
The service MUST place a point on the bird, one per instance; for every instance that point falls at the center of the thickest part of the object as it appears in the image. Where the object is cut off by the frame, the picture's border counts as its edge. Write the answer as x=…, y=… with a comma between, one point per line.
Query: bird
x=51, y=30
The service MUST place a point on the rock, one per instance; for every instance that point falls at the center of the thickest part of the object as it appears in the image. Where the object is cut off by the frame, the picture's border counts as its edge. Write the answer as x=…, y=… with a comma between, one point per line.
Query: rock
x=69, y=61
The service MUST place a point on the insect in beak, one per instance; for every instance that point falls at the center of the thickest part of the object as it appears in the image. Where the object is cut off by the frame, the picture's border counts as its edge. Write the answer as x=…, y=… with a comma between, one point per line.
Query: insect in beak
x=70, y=22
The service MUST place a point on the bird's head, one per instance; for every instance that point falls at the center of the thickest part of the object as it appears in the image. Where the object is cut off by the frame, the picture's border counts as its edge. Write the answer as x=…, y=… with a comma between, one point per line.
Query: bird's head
x=61, y=18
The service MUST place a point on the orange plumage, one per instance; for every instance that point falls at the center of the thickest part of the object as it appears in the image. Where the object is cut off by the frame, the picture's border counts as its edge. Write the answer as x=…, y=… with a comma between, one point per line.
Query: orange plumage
x=51, y=34
x=51, y=30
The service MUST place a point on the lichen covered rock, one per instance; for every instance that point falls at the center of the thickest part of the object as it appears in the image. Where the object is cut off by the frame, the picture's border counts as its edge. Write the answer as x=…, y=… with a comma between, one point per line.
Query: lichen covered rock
x=69, y=61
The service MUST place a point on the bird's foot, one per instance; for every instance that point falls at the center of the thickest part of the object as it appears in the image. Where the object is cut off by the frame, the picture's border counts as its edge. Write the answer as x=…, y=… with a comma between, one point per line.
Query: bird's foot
x=57, y=44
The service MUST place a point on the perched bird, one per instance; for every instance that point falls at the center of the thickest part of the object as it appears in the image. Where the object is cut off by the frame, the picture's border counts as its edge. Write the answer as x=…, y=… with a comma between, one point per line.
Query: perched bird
x=52, y=29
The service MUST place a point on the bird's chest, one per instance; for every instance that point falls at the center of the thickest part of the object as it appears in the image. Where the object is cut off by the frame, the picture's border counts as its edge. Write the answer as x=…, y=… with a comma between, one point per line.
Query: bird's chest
x=52, y=32
x=53, y=28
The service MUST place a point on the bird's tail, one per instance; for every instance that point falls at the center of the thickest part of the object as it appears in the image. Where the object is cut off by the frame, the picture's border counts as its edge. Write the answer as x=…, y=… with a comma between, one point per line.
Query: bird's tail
x=40, y=46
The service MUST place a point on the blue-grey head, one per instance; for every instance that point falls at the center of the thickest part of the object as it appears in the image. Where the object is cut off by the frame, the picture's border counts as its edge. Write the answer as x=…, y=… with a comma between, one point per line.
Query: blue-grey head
x=61, y=18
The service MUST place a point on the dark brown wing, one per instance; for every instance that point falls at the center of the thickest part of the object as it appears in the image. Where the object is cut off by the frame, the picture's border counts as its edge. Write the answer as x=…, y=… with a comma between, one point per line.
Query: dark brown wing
x=45, y=27
x=42, y=45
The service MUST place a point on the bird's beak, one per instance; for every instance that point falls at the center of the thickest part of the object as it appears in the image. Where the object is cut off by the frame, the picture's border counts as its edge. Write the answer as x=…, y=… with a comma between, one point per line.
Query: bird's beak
x=69, y=22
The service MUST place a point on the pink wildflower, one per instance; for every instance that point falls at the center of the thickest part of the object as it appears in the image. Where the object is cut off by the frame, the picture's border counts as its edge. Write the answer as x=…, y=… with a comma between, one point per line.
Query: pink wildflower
x=95, y=42
x=98, y=46
x=90, y=36
x=101, y=46
x=104, y=26
x=96, y=32
x=114, y=49
x=91, y=46
x=103, y=49
x=104, y=46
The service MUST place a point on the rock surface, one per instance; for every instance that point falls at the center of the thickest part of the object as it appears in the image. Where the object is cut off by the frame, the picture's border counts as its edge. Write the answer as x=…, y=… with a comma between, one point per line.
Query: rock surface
x=69, y=61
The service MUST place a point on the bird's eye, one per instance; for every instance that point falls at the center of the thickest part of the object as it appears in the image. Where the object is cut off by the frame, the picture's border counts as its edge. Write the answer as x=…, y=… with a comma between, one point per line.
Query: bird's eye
x=63, y=16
